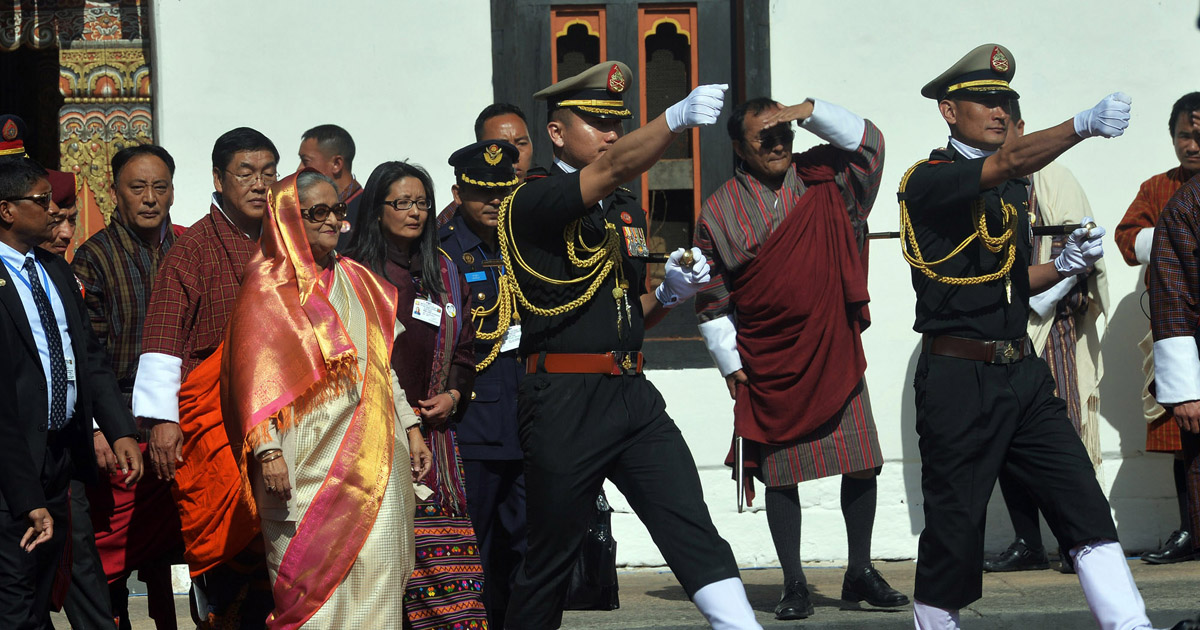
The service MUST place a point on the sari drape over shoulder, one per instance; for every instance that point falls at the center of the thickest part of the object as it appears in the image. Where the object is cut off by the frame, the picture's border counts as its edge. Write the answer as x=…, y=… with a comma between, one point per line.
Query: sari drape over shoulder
x=294, y=354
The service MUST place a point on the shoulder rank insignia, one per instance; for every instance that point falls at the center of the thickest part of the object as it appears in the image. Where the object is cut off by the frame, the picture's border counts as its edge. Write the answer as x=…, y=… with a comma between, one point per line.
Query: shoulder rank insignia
x=616, y=80
x=492, y=154
x=10, y=129
x=999, y=61
x=635, y=242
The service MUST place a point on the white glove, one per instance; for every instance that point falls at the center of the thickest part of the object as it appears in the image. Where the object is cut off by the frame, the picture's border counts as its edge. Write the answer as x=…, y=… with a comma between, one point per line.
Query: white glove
x=1107, y=119
x=701, y=107
x=1084, y=247
x=680, y=283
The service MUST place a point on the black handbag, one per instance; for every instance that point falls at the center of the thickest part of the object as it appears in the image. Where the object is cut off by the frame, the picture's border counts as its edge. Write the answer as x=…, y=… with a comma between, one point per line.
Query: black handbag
x=593, y=581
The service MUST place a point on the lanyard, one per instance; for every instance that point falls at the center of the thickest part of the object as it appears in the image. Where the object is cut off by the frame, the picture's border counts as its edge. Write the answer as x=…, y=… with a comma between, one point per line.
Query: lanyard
x=17, y=274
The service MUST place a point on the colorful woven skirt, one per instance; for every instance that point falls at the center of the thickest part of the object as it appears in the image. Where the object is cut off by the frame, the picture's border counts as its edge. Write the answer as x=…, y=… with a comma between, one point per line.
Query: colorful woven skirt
x=444, y=590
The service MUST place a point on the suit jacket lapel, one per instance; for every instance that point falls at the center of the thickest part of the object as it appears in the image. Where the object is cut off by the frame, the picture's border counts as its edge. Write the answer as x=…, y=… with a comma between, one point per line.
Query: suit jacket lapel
x=16, y=310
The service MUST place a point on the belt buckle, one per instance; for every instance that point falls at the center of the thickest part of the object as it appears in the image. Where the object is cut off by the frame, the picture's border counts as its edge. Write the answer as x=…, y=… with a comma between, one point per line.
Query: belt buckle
x=625, y=361
x=1006, y=352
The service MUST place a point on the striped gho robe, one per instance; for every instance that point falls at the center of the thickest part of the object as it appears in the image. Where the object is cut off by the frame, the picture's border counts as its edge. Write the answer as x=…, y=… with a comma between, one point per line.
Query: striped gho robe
x=735, y=224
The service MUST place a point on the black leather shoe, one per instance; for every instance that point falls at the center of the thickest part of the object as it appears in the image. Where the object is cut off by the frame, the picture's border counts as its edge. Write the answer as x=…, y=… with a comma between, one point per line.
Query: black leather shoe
x=1067, y=562
x=1180, y=546
x=1018, y=557
x=1187, y=624
x=794, y=603
x=867, y=584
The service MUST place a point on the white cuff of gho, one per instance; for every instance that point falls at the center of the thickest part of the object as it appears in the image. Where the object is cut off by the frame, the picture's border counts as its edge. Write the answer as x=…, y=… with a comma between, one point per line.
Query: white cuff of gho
x=1043, y=303
x=1176, y=370
x=836, y=125
x=1142, y=244
x=720, y=336
x=156, y=389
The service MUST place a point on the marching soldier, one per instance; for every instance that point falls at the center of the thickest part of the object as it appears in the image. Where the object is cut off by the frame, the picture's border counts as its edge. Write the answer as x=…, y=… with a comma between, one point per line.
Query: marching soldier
x=575, y=245
x=984, y=399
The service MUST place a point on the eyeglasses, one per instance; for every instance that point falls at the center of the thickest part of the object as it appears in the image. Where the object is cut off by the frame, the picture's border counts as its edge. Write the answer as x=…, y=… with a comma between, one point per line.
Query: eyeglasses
x=407, y=204
x=245, y=179
x=775, y=136
x=42, y=200
x=320, y=212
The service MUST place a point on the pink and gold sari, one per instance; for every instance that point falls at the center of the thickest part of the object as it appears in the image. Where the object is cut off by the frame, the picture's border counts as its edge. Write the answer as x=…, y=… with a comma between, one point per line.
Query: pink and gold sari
x=306, y=364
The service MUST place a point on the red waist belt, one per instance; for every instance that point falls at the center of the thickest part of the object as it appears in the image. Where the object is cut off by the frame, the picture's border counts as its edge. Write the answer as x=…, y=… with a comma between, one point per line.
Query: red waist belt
x=611, y=363
x=1009, y=351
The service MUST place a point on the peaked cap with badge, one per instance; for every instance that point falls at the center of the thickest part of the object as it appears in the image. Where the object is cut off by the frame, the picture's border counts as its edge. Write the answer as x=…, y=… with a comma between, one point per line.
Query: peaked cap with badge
x=486, y=164
x=598, y=91
x=987, y=69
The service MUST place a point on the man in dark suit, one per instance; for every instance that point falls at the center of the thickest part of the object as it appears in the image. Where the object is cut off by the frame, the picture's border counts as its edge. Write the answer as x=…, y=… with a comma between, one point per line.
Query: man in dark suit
x=60, y=381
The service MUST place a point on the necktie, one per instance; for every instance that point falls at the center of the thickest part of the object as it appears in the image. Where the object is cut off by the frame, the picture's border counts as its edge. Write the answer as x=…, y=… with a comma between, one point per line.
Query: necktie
x=58, y=364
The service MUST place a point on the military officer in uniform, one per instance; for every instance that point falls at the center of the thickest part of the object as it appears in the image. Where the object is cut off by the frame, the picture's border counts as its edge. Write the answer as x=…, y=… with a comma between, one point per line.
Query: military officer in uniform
x=985, y=401
x=487, y=434
x=575, y=245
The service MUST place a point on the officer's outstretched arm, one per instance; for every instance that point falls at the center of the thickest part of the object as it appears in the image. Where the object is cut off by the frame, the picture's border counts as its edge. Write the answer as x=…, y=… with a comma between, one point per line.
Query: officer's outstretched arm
x=635, y=153
x=1029, y=154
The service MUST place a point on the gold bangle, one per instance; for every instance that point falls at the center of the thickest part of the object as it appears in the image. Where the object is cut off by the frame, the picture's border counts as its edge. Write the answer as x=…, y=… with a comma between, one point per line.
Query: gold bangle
x=270, y=456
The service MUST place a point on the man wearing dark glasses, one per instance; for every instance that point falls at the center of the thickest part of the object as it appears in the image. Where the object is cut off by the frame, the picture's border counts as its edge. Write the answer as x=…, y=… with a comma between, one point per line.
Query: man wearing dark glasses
x=786, y=237
x=59, y=381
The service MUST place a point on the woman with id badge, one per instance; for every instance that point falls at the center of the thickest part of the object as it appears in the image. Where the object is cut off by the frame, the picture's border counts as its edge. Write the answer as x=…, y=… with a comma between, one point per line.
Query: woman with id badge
x=434, y=360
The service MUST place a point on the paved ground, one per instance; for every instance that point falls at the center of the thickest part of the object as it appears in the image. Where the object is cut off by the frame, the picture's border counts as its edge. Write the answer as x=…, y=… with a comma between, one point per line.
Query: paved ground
x=1023, y=601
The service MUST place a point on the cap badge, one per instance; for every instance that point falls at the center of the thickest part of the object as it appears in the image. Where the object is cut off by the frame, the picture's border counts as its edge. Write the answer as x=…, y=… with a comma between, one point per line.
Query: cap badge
x=469, y=258
x=10, y=130
x=616, y=80
x=999, y=61
x=492, y=154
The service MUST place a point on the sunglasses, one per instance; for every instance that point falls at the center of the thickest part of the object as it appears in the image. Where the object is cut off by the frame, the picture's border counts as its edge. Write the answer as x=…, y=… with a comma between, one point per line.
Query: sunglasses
x=42, y=200
x=320, y=212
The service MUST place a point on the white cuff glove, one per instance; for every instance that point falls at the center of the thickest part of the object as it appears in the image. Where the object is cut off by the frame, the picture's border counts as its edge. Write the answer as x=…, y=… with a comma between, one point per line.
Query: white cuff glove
x=1142, y=244
x=1044, y=303
x=1084, y=247
x=701, y=107
x=1107, y=119
x=680, y=283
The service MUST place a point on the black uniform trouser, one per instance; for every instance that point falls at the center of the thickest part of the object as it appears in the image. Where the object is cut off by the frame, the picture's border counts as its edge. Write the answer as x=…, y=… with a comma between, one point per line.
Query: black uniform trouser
x=87, y=604
x=26, y=579
x=974, y=419
x=577, y=429
x=496, y=503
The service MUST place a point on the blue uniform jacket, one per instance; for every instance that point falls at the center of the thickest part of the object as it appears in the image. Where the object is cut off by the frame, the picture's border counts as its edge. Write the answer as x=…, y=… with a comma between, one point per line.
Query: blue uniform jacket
x=488, y=429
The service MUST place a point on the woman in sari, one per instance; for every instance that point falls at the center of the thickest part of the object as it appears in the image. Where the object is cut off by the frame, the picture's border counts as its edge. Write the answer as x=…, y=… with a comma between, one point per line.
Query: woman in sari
x=321, y=428
x=435, y=362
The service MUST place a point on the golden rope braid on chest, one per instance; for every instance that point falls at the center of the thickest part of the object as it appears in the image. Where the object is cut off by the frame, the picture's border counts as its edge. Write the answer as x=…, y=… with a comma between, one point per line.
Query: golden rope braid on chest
x=912, y=250
x=599, y=261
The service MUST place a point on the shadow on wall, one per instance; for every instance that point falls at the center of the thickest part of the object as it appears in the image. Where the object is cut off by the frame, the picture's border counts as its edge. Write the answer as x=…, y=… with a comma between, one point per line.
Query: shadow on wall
x=909, y=447
x=1142, y=493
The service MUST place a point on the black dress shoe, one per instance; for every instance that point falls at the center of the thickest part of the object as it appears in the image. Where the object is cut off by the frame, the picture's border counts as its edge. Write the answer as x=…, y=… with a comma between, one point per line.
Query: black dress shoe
x=794, y=603
x=1018, y=557
x=1067, y=562
x=1180, y=546
x=867, y=584
x=1187, y=624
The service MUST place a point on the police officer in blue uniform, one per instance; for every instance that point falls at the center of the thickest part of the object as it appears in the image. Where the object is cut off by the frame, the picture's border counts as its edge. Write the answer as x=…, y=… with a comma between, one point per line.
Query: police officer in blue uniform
x=487, y=435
